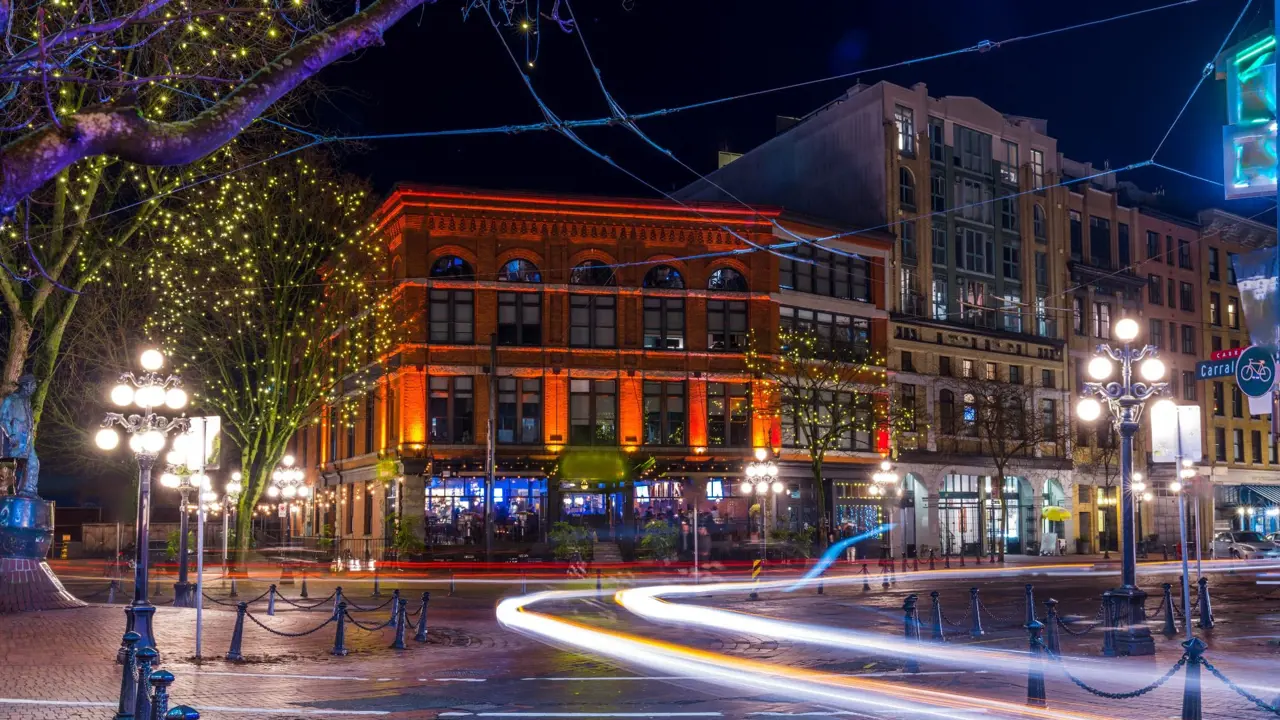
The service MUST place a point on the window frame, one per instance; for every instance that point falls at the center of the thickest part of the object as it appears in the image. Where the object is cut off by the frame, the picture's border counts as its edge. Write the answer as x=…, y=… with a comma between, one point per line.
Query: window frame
x=672, y=426
x=455, y=431
x=520, y=333
x=664, y=335
x=452, y=333
x=596, y=392
x=520, y=410
x=594, y=304
x=725, y=393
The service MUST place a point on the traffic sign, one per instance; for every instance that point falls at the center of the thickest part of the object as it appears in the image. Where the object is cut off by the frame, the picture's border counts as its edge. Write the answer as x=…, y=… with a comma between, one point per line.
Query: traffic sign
x=1209, y=369
x=1256, y=371
x=1226, y=354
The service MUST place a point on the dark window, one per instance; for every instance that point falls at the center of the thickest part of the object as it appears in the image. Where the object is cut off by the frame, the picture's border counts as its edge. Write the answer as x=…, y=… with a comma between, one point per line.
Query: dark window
x=728, y=280
x=333, y=434
x=825, y=273
x=664, y=413
x=350, y=427
x=944, y=366
x=728, y=414
x=1184, y=254
x=908, y=361
x=975, y=251
x=1237, y=445
x=1015, y=374
x=974, y=150
x=1215, y=308
x=1077, y=314
x=909, y=404
x=451, y=409
x=592, y=272
x=1220, y=444
x=1189, y=339
x=367, y=498
x=1255, y=445
x=938, y=192
x=1189, y=386
x=939, y=245
x=1042, y=268
x=1216, y=342
x=1156, y=334
x=1048, y=379
x=519, y=270
x=1173, y=337
x=1153, y=245
x=1173, y=296
x=1077, y=236
x=847, y=338
x=1012, y=262
x=906, y=188
x=1155, y=289
x=1049, y=418
x=1186, y=297
x=1038, y=228
x=947, y=412
x=519, y=318
x=937, y=140
x=350, y=491
x=452, y=316
x=519, y=411
x=907, y=231
x=1122, y=238
x=1099, y=241
x=1219, y=399
x=1214, y=270
x=593, y=321
x=1009, y=214
x=593, y=412
x=726, y=325
x=1237, y=402
x=664, y=323
x=1231, y=268
x=452, y=266
x=1168, y=249
x=664, y=277
x=370, y=410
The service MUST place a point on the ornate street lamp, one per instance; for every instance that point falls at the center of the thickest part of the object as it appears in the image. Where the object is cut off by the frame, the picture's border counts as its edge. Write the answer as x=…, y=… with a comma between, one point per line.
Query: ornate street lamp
x=762, y=479
x=184, y=482
x=1125, y=397
x=148, y=434
x=883, y=481
x=232, y=502
x=288, y=486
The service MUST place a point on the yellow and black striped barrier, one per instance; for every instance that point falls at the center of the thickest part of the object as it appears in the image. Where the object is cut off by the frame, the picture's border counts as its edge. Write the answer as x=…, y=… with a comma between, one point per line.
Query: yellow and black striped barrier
x=757, y=566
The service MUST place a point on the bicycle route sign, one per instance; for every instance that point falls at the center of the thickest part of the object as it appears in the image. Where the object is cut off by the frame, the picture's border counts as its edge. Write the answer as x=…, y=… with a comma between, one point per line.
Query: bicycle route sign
x=1255, y=371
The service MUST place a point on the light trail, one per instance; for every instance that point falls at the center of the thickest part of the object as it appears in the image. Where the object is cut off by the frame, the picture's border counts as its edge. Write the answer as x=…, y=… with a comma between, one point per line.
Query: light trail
x=754, y=676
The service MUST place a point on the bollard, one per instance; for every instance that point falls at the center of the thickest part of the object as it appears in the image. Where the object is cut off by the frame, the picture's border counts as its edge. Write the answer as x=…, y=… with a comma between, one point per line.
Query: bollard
x=160, y=682
x=936, y=633
x=111, y=592
x=931, y=559
x=271, y=600
x=962, y=556
x=377, y=587
x=910, y=630
x=142, y=701
x=1191, y=687
x=975, y=610
x=340, y=636
x=598, y=588
x=1108, y=626
x=452, y=588
x=1170, y=625
x=1031, y=603
x=884, y=573
x=233, y=588
x=402, y=619
x=237, y=635
x=904, y=563
x=1164, y=551
x=182, y=712
x=128, y=694
x=946, y=560
x=304, y=587
x=337, y=601
x=1035, y=670
x=421, y=635
x=1052, y=642
x=395, y=603
x=915, y=564
x=1206, y=609
x=286, y=574
x=866, y=584
x=524, y=584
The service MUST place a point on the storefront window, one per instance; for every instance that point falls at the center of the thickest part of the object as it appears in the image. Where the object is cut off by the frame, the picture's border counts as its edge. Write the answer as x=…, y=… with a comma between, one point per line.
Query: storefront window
x=455, y=509
x=658, y=500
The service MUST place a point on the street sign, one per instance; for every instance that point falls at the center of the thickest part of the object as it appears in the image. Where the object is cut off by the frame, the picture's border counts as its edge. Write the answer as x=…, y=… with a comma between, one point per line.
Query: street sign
x=1167, y=426
x=1209, y=369
x=1256, y=371
x=1226, y=354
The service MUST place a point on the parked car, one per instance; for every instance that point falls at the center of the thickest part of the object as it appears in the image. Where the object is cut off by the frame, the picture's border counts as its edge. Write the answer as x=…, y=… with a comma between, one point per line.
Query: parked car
x=1246, y=545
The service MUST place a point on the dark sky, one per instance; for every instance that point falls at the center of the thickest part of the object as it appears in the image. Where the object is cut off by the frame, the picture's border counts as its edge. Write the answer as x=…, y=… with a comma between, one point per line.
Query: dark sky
x=1108, y=92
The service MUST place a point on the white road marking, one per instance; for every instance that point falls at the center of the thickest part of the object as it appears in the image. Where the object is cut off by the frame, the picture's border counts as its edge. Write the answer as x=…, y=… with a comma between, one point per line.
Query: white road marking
x=903, y=674
x=610, y=679
x=246, y=710
x=583, y=714
x=287, y=676
x=451, y=679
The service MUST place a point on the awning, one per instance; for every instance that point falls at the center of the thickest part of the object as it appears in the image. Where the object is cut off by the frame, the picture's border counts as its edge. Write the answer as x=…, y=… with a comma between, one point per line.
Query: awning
x=1270, y=493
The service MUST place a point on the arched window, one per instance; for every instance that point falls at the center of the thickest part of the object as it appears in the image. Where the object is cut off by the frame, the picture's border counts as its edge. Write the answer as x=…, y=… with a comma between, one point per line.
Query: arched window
x=592, y=272
x=519, y=270
x=727, y=278
x=1037, y=222
x=906, y=188
x=452, y=266
x=665, y=277
x=947, y=412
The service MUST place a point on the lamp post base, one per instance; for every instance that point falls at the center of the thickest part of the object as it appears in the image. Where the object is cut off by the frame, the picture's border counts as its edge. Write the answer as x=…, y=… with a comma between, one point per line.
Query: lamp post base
x=1130, y=636
x=138, y=619
x=184, y=594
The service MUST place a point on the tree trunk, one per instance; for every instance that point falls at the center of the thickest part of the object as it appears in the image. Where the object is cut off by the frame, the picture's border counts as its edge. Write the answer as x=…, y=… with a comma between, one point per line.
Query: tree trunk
x=982, y=518
x=15, y=360
x=820, y=497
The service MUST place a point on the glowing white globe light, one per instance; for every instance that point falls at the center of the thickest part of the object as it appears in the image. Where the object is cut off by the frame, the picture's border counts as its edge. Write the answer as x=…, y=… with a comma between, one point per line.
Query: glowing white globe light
x=1186, y=473
x=273, y=491
x=1164, y=411
x=1126, y=329
x=107, y=439
x=746, y=488
x=234, y=487
x=304, y=491
x=277, y=475
x=290, y=491
x=208, y=496
x=1138, y=486
x=175, y=457
x=237, y=476
x=1088, y=409
x=776, y=487
x=1151, y=369
x=175, y=398
x=885, y=465
x=752, y=470
x=1175, y=487
x=152, y=360
x=169, y=480
x=149, y=396
x=287, y=461
x=153, y=441
x=1146, y=497
x=762, y=487
x=772, y=470
x=122, y=395
x=761, y=454
x=135, y=443
x=1100, y=368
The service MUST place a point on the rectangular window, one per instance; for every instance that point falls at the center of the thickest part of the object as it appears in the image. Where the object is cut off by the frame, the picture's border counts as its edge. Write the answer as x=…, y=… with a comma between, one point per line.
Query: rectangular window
x=593, y=321
x=941, y=309
x=1237, y=445
x=1215, y=308
x=937, y=140
x=1186, y=297
x=452, y=316
x=939, y=246
x=1156, y=334
x=838, y=276
x=904, y=119
x=910, y=406
x=451, y=409
x=1009, y=161
x=1153, y=245
x=1048, y=379
x=974, y=150
x=1042, y=269
x=727, y=325
x=351, y=437
x=966, y=369
x=975, y=251
x=1042, y=316
x=1077, y=235
x=975, y=200
x=1255, y=445
x=1049, y=418
x=944, y=366
x=1231, y=268
x=664, y=413
x=1219, y=399
x=1122, y=242
x=908, y=232
x=1215, y=342
x=519, y=411
x=370, y=411
x=1168, y=249
x=1155, y=289
x=728, y=414
x=664, y=323
x=1102, y=320
x=1184, y=255
x=1015, y=374
x=1011, y=311
x=1189, y=339
x=593, y=412
x=973, y=303
x=847, y=338
x=1012, y=262
x=938, y=192
x=992, y=371
x=333, y=435
x=350, y=513
x=1077, y=314
x=1237, y=402
x=1214, y=270
x=908, y=361
x=1009, y=214
x=519, y=318
x=1173, y=337
x=1037, y=168
x=1189, y=386
x=1233, y=313
x=1220, y=444
x=1099, y=241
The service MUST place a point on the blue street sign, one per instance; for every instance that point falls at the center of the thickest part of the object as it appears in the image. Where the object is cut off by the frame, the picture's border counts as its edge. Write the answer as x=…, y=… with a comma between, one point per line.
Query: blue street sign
x=1256, y=371
x=1209, y=369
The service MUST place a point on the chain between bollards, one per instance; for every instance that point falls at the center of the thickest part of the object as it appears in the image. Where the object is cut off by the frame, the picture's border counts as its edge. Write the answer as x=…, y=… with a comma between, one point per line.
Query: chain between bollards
x=421, y=635
x=1170, y=626
x=128, y=693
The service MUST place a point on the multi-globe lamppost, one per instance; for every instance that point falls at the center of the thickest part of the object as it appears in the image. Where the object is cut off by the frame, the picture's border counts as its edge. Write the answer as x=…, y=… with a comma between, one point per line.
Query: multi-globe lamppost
x=762, y=479
x=287, y=487
x=232, y=502
x=882, y=480
x=177, y=478
x=1125, y=397
x=148, y=434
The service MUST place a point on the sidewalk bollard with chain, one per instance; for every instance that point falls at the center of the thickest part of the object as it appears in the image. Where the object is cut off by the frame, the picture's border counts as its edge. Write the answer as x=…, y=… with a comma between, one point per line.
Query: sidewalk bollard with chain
x=1031, y=603
x=598, y=587
x=931, y=559
x=160, y=681
x=1035, y=670
x=1164, y=550
x=237, y=635
x=910, y=631
x=946, y=560
x=866, y=576
x=128, y=694
x=111, y=592
x=1052, y=641
x=452, y=587
x=233, y=588
x=904, y=563
x=1206, y=609
x=142, y=701
x=1191, y=687
x=340, y=636
x=936, y=633
x=975, y=610
x=271, y=601
x=377, y=587
x=915, y=564
x=1170, y=625
x=395, y=602
x=304, y=586
x=884, y=573
x=337, y=601
x=421, y=635
x=524, y=584
x=1108, y=626
x=402, y=619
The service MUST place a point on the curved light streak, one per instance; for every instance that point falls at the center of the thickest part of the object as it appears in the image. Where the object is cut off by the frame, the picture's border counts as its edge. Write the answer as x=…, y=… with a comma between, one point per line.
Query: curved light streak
x=831, y=554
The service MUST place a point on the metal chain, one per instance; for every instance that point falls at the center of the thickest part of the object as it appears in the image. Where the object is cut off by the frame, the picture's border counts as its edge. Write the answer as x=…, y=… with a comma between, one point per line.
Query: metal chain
x=282, y=633
x=233, y=604
x=1155, y=613
x=1122, y=695
x=370, y=628
x=99, y=593
x=1069, y=631
x=995, y=617
x=1262, y=705
x=313, y=606
x=357, y=608
x=963, y=621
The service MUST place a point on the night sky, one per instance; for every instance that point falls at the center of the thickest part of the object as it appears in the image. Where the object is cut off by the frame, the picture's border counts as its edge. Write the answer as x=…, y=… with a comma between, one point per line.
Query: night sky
x=1108, y=92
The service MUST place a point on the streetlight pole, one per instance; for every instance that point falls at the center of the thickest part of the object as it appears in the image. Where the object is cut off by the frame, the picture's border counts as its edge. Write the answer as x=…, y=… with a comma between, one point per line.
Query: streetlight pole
x=882, y=480
x=231, y=502
x=1126, y=397
x=148, y=435
x=762, y=477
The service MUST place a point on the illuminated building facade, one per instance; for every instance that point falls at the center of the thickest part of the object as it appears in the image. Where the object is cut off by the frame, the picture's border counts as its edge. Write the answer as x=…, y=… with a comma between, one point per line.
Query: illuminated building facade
x=620, y=392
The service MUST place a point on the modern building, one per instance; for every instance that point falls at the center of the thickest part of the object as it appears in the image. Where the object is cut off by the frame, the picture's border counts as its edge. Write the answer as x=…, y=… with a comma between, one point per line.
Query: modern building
x=978, y=303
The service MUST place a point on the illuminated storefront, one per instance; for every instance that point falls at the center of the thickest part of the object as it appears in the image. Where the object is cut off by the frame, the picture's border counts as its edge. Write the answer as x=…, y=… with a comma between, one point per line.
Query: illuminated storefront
x=455, y=509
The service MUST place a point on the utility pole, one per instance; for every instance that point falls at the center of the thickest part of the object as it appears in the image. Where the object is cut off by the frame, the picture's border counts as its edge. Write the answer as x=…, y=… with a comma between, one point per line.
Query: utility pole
x=491, y=445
